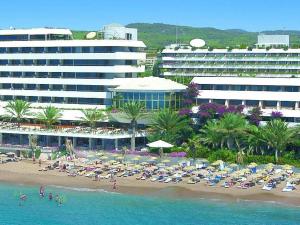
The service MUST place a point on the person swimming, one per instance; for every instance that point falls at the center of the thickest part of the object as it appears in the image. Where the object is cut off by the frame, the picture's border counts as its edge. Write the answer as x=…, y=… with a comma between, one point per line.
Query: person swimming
x=22, y=198
x=50, y=196
x=42, y=191
x=56, y=198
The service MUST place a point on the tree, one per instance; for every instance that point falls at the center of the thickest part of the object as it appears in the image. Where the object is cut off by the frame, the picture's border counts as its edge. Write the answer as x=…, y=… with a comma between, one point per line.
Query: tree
x=168, y=125
x=133, y=111
x=17, y=110
x=49, y=116
x=32, y=143
x=233, y=127
x=92, y=116
x=210, y=136
x=277, y=135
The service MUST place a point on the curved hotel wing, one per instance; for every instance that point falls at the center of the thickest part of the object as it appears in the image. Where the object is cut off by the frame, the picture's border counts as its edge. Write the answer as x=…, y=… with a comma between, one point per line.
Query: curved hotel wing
x=67, y=73
x=46, y=66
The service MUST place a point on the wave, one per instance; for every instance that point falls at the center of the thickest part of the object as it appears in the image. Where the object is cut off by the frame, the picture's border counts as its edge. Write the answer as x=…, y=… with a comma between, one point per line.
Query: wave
x=82, y=189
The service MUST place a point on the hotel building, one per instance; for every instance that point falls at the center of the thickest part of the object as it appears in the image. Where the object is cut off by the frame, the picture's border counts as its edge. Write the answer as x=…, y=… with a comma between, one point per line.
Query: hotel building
x=46, y=66
x=187, y=61
x=260, y=77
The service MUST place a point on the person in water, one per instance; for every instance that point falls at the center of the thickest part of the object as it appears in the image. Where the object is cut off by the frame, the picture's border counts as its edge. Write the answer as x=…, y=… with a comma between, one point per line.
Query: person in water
x=22, y=198
x=56, y=198
x=42, y=191
x=50, y=196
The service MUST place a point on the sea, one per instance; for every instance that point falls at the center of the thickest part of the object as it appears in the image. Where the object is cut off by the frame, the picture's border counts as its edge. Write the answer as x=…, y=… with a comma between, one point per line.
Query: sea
x=93, y=207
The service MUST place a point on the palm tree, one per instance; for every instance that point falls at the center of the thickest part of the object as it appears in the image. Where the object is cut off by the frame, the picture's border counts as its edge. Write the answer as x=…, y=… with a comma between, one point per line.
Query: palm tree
x=210, y=135
x=49, y=116
x=167, y=124
x=233, y=127
x=278, y=135
x=92, y=116
x=32, y=143
x=18, y=110
x=133, y=111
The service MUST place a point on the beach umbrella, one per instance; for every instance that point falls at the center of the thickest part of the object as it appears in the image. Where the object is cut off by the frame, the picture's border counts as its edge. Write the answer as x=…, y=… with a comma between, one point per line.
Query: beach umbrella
x=233, y=165
x=161, y=145
x=99, y=154
x=253, y=164
x=217, y=163
x=104, y=157
x=166, y=161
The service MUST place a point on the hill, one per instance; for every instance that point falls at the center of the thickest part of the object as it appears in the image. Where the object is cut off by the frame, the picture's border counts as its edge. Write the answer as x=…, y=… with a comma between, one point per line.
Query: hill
x=157, y=35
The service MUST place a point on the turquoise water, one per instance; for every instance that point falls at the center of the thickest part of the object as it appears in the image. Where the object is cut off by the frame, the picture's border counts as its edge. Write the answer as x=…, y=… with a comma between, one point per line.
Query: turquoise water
x=103, y=208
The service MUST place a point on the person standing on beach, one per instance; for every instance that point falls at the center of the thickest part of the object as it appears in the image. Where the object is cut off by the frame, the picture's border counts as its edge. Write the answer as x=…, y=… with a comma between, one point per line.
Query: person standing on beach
x=115, y=185
x=40, y=162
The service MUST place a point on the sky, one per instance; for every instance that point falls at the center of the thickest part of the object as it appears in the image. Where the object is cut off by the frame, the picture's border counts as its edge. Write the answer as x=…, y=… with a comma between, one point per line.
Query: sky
x=251, y=15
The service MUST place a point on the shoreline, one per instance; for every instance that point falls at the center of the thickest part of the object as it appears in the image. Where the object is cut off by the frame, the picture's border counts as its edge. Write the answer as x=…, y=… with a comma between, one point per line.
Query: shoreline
x=26, y=173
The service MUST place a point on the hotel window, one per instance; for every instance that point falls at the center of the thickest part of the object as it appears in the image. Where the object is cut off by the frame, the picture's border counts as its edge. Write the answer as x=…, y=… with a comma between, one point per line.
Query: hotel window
x=17, y=86
x=16, y=74
x=68, y=75
x=29, y=74
x=273, y=88
x=238, y=87
x=38, y=50
x=86, y=49
x=41, y=62
x=3, y=62
x=4, y=74
x=7, y=97
x=76, y=49
x=58, y=100
x=72, y=100
x=54, y=62
x=253, y=103
x=6, y=86
x=235, y=102
x=219, y=101
x=71, y=88
x=287, y=104
x=202, y=101
x=66, y=50
x=30, y=87
x=291, y=89
x=37, y=37
x=45, y=99
x=255, y=88
x=26, y=50
x=44, y=87
x=32, y=98
x=13, y=50
x=42, y=75
x=222, y=87
x=269, y=103
x=2, y=50
x=206, y=87
x=52, y=49
x=28, y=62
x=56, y=75
x=57, y=87
x=68, y=62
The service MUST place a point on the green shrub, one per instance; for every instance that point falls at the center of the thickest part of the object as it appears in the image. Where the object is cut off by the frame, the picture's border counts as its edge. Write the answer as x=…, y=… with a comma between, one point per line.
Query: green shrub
x=37, y=153
x=222, y=154
x=259, y=159
x=200, y=152
x=24, y=154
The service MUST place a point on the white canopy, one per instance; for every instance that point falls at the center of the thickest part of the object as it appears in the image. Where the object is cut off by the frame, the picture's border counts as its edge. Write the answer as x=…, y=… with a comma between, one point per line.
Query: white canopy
x=159, y=144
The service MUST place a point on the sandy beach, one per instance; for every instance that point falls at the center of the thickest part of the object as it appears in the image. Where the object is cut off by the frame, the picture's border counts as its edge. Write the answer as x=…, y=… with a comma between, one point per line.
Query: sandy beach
x=25, y=172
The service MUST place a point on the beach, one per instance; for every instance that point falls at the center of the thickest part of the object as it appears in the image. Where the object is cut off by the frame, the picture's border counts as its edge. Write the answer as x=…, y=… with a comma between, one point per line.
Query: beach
x=25, y=172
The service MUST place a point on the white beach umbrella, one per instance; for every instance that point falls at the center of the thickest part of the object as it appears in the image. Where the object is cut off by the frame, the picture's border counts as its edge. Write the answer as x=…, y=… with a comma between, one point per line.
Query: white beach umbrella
x=161, y=145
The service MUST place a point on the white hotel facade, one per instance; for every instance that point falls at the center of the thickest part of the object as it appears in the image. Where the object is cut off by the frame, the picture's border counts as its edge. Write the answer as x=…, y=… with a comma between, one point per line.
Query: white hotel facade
x=46, y=66
x=265, y=78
